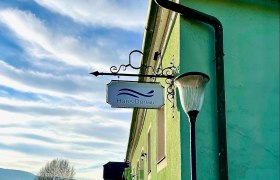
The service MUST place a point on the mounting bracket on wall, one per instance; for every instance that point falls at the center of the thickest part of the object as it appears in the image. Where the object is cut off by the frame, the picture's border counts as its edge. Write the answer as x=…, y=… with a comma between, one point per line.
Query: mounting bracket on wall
x=168, y=73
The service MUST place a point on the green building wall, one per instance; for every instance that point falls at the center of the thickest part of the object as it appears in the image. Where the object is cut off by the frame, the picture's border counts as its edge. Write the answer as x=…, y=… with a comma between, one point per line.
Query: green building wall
x=173, y=150
x=251, y=46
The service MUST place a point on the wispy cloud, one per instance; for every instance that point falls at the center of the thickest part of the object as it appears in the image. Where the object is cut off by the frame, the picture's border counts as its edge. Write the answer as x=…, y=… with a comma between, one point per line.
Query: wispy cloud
x=49, y=105
x=76, y=138
x=128, y=15
x=42, y=43
x=55, y=85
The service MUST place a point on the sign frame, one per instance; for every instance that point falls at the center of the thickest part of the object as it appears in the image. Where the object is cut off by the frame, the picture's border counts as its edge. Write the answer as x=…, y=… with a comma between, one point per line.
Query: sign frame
x=126, y=91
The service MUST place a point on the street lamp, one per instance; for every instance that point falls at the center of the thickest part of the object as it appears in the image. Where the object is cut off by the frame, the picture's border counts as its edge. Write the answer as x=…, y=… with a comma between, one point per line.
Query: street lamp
x=191, y=87
x=143, y=156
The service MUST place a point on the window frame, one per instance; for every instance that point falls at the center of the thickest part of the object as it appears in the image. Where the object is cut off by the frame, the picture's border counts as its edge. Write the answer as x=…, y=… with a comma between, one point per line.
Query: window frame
x=163, y=140
x=149, y=151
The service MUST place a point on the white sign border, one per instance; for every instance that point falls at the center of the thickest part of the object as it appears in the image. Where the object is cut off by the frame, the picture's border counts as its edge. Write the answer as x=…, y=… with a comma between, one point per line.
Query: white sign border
x=163, y=104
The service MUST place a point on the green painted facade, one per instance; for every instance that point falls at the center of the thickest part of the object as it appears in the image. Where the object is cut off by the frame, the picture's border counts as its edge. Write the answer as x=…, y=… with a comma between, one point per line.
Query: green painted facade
x=251, y=62
x=172, y=169
x=251, y=46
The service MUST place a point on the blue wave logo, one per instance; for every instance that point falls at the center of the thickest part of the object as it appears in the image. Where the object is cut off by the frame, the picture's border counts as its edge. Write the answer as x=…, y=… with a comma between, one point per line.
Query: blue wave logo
x=136, y=94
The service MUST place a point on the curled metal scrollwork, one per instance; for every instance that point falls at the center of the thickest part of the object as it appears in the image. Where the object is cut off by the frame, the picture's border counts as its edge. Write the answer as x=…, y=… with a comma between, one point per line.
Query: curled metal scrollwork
x=168, y=73
x=171, y=85
x=123, y=67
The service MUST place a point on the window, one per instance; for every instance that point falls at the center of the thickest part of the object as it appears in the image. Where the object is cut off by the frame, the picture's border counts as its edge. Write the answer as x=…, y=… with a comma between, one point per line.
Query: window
x=137, y=170
x=141, y=168
x=133, y=174
x=160, y=134
x=149, y=152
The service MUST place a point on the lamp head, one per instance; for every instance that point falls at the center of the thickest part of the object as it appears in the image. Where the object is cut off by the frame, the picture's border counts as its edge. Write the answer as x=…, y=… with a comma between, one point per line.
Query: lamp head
x=191, y=87
x=143, y=156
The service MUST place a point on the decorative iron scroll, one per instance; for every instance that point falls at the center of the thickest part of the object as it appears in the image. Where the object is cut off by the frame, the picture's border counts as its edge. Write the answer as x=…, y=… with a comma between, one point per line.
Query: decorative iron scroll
x=171, y=87
x=168, y=73
x=161, y=72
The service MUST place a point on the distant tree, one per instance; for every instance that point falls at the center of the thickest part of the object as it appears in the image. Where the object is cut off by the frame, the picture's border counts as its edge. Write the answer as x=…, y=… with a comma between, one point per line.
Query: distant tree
x=57, y=169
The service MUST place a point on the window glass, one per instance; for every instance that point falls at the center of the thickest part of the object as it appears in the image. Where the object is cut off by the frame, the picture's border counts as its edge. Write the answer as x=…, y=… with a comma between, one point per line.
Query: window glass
x=149, y=152
x=141, y=170
x=138, y=170
x=160, y=134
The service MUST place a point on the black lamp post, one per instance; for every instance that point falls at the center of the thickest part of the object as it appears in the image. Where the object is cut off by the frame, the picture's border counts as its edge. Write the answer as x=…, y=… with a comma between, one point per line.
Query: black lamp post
x=191, y=87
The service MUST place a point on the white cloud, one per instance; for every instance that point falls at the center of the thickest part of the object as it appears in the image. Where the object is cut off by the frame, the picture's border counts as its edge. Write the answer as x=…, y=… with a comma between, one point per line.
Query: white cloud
x=128, y=15
x=51, y=107
x=37, y=139
x=32, y=163
x=95, y=174
x=40, y=42
x=13, y=119
x=76, y=86
x=56, y=114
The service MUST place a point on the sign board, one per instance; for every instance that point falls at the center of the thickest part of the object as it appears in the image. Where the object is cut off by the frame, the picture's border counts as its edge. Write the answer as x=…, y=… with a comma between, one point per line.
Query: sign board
x=133, y=94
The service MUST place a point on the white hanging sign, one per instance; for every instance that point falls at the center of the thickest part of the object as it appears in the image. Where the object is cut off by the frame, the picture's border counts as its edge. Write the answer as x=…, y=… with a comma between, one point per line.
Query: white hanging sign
x=133, y=94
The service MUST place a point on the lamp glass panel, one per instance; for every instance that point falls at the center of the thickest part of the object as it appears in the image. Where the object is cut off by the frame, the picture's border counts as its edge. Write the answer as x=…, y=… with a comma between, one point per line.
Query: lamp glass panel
x=191, y=89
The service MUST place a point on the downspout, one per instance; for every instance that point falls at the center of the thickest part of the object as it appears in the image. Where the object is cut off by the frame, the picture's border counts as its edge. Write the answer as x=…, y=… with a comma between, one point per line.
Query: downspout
x=219, y=55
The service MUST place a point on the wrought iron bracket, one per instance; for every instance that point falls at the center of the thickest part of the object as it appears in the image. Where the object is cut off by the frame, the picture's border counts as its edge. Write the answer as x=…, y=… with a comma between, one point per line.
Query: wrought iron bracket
x=168, y=73
x=96, y=73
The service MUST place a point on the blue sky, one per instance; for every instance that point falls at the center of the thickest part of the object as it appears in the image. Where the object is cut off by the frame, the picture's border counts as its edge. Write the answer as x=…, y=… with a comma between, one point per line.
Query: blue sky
x=49, y=104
